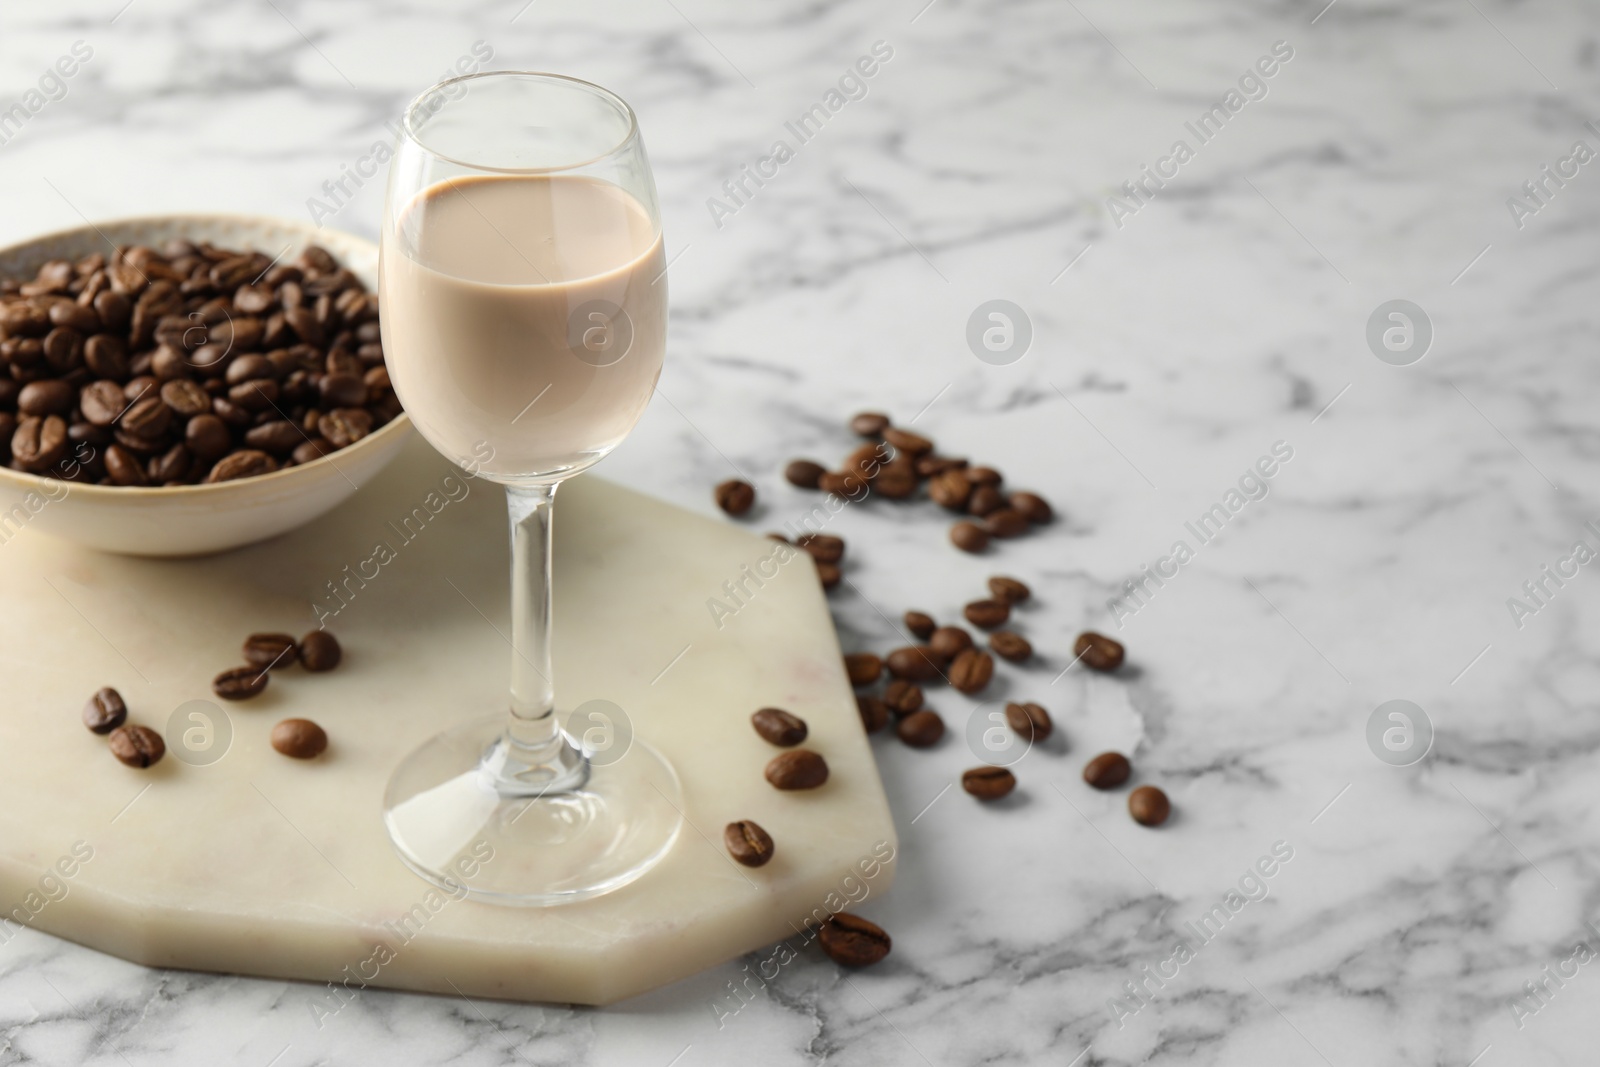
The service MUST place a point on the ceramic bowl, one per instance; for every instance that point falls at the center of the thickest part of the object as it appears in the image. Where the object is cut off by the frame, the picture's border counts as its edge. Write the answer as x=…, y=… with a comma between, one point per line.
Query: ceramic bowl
x=193, y=519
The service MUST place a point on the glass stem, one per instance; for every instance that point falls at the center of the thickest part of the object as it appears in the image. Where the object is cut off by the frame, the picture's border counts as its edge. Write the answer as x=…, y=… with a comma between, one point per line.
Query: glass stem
x=534, y=757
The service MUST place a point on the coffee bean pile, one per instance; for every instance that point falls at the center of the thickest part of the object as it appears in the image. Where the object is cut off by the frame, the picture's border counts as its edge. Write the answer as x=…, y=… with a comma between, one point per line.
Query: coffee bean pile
x=139, y=746
x=898, y=464
x=193, y=364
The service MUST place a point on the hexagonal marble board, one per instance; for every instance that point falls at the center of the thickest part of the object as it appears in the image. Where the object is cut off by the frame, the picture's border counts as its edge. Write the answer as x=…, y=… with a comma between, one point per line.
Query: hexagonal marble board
x=263, y=865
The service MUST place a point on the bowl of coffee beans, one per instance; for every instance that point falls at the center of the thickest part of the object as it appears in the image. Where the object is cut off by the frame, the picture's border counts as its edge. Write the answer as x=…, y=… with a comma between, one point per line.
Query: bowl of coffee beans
x=184, y=384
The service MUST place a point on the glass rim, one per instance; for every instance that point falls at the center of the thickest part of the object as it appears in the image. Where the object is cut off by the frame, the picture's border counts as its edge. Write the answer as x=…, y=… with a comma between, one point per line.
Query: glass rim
x=415, y=137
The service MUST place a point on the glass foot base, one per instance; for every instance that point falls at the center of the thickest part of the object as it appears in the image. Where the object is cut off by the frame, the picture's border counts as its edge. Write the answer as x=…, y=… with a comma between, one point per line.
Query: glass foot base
x=454, y=828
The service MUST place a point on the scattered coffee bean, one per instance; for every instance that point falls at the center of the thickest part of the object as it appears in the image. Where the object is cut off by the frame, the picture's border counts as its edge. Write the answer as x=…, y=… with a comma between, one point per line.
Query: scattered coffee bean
x=869, y=424
x=921, y=729
x=804, y=473
x=105, y=711
x=852, y=941
x=798, y=768
x=864, y=668
x=137, y=746
x=914, y=663
x=906, y=441
x=824, y=548
x=928, y=466
x=988, y=783
x=920, y=625
x=971, y=671
x=240, y=683
x=842, y=484
x=950, y=642
x=270, y=651
x=1029, y=721
x=867, y=461
x=1010, y=646
x=986, y=614
x=985, y=500
x=320, y=651
x=903, y=697
x=735, y=497
x=969, y=537
x=984, y=476
x=299, y=738
x=1098, y=652
x=897, y=480
x=874, y=713
x=1149, y=806
x=951, y=490
x=829, y=573
x=1008, y=590
x=747, y=843
x=779, y=727
x=1032, y=507
x=1006, y=523
x=1107, y=770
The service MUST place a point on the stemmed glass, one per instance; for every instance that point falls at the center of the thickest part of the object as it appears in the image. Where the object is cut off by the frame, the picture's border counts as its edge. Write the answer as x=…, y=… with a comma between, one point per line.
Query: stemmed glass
x=524, y=325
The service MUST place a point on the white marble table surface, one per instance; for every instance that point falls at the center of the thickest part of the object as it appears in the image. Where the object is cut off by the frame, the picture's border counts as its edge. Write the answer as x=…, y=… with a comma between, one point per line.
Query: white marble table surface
x=1176, y=339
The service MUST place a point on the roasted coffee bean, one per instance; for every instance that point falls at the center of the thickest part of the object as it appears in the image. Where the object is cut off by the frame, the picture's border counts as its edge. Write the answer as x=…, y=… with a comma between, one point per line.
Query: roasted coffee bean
x=896, y=480
x=261, y=394
x=320, y=651
x=985, y=500
x=921, y=729
x=124, y=468
x=984, y=476
x=75, y=317
x=733, y=496
x=867, y=461
x=798, y=768
x=869, y=424
x=173, y=465
x=986, y=614
x=113, y=308
x=1098, y=652
x=8, y=429
x=824, y=548
x=969, y=537
x=245, y=464
x=971, y=671
x=138, y=387
x=185, y=398
x=278, y=437
x=347, y=391
x=51, y=396
x=1006, y=523
x=39, y=443
x=105, y=711
x=1010, y=646
x=299, y=739
x=248, y=368
x=988, y=783
x=906, y=441
x=1149, y=806
x=1034, y=508
x=1029, y=721
x=842, y=484
x=1008, y=590
x=343, y=427
x=101, y=402
x=231, y=413
x=63, y=349
x=864, y=668
x=951, y=490
x=747, y=843
x=106, y=355
x=169, y=364
x=207, y=437
x=137, y=746
x=852, y=941
x=804, y=473
x=928, y=466
x=950, y=642
x=240, y=683
x=270, y=651
x=1107, y=770
x=920, y=625
x=254, y=299
x=316, y=448
x=914, y=663
x=903, y=697
x=830, y=574
x=147, y=418
x=779, y=727
x=874, y=713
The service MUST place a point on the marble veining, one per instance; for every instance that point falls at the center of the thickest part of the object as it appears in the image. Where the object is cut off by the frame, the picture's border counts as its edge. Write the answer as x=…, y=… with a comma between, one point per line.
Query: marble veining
x=1429, y=915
